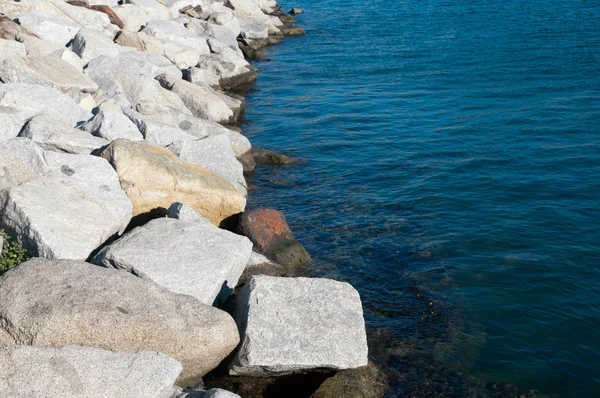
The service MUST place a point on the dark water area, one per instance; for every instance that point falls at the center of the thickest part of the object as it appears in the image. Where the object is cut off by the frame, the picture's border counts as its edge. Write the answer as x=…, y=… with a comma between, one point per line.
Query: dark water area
x=450, y=171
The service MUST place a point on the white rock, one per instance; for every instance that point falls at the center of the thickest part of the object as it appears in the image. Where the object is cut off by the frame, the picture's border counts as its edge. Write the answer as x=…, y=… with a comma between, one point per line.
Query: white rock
x=208, y=268
x=219, y=393
x=88, y=44
x=31, y=99
x=215, y=154
x=21, y=160
x=226, y=19
x=183, y=212
x=110, y=123
x=85, y=372
x=239, y=143
x=155, y=132
x=248, y=8
x=251, y=29
x=69, y=212
x=293, y=324
x=45, y=70
x=156, y=11
x=58, y=137
x=202, y=77
x=232, y=69
x=133, y=17
x=220, y=33
x=12, y=47
x=49, y=27
x=137, y=62
x=176, y=32
x=110, y=3
x=70, y=57
x=90, y=19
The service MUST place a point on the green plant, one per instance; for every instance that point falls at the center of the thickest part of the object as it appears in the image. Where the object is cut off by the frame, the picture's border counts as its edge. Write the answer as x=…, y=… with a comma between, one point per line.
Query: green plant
x=13, y=253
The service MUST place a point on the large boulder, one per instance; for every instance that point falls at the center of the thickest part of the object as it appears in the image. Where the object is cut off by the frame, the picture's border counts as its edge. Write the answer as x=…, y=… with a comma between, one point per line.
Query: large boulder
x=154, y=178
x=55, y=303
x=233, y=70
x=58, y=137
x=294, y=324
x=9, y=30
x=69, y=211
x=134, y=62
x=85, y=372
x=133, y=16
x=110, y=123
x=48, y=27
x=88, y=44
x=21, y=160
x=271, y=235
x=187, y=257
x=175, y=31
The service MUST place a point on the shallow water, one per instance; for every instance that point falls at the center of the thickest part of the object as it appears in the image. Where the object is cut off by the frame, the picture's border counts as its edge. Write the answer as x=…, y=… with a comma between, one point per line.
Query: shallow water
x=451, y=154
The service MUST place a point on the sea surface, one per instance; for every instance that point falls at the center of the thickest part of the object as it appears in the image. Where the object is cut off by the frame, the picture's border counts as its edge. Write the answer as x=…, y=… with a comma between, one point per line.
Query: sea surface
x=450, y=170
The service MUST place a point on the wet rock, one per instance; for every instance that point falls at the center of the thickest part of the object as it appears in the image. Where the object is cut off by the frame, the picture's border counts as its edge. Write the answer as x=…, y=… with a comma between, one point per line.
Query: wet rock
x=75, y=371
x=271, y=235
x=293, y=30
x=58, y=137
x=264, y=156
x=154, y=178
x=56, y=303
x=68, y=212
x=110, y=123
x=293, y=324
x=49, y=27
x=296, y=11
x=44, y=70
x=364, y=382
x=208, y=269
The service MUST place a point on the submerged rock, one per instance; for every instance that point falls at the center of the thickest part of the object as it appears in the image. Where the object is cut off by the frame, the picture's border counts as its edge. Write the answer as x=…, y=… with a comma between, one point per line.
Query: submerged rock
x=364, y=382
x=264, y=156
x=153, y=177
x=188, y=257
x=271, y=235
x=293, y=324
x=296, y=11
x=56, y=303
x=84, y=372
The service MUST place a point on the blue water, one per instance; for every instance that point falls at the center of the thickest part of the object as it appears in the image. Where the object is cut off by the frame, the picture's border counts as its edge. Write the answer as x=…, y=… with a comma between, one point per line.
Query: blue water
x=451, y=172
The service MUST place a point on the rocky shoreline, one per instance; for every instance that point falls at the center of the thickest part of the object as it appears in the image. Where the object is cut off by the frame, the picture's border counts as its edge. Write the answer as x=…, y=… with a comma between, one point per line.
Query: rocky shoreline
x=122, y=174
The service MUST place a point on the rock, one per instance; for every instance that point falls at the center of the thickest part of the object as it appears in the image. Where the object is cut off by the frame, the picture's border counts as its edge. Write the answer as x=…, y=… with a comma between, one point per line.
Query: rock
x=264, y=156
x=157, y=133
x=110, y=123
x=133, y=17
x=227, y=20
x=154, y=178
x=293, y=30
x=85, y=17
x=156, y=11
x=201, y=77
x=55, y=303
x=11, y=120
x=293, y=324
x=208, y=267
x=363, y=382
x=180, y=55
x=133, y=62
x=88, y=44
x=183, y=212
x=68, y=212
x=74, y=371
x=14, y=48
x=175, y=31
x=222, y=34
x=57, y=137
x=20, y=160
x=219, y=393
x=45, y=70
x=251, y=29
x=112, y=16
x=249, y=8
x=70, y=57
x=258, y=264
x=31, y=99
x=203, y=102
x=296, y=11
x=233, y=70
x=49, y=27
x=9, y=30
x=270, y=233
x=214, y=153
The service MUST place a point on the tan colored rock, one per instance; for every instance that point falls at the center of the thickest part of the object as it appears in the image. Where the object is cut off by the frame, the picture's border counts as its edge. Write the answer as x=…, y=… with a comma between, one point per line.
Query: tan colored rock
x=153, y=178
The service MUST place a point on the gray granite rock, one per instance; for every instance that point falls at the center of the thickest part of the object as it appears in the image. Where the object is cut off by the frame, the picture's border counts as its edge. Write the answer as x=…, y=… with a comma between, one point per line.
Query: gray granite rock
x=220, y=33
x=183, y=212
x=155, y=10
x=56, y=303
x=214, y=153
x=133, y=16
x=49, y=27
x=293, y=324
x=68, y=212
x=232, y=69
x=110, y=123
x=31, y=99
x=85, y=372
x=88, y=44
x=58, y=137
x=251, y=29
x=227, y=19
x=45, y=70
x=175, y=31
x=193, y=258
x=21, y=160
x=202, y=76
x=134, y=62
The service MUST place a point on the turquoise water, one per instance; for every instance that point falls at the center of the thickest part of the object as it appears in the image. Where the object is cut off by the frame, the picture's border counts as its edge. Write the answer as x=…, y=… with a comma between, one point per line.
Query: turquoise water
x=450, y=171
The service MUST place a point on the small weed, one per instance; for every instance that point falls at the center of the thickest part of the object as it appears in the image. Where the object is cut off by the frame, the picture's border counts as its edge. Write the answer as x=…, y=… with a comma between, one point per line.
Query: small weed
x=13, y=253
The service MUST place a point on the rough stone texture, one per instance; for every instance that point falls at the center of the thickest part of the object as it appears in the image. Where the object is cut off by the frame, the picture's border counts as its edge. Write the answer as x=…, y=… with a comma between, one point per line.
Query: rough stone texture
x=226, y=19
x=251, y=29
x=88, y=44
x=13, y=48
x=292, y=324
x=133, y=17
x=219, y=393
x=233, y=70
x=258, y=264
x=112, y=17
x=223, y=34
x=58, y=137
x=9, y=30
x=134, y=62
x=157, y=133
x=156, y=11
x=264, y=156
x=208, y=267
x=85, y=372
x=176, y=32
x=363, y=382
x=202, y=77
x=271, y=235
x=45, y=70
x=69, y=212
x=183, y=212
x=49, y=27
x=70, y=57
x=55, y=303
x=154, y=178
x=85, y=17
x=214, y=153
x=293, y=30
x=110, y=123
x=31, y=99
x=203, y=102
x=20, y=160
x=11, y=120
